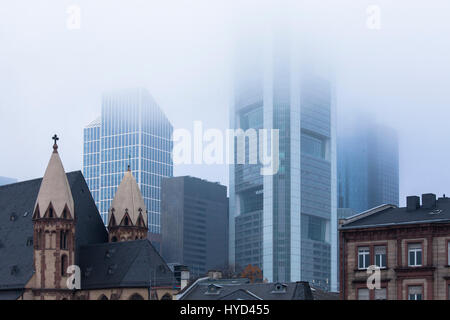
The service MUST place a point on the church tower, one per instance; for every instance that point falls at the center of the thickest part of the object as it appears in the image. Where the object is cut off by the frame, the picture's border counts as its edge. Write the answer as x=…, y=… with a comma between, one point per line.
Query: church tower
x=127, y=217
x=54, y=229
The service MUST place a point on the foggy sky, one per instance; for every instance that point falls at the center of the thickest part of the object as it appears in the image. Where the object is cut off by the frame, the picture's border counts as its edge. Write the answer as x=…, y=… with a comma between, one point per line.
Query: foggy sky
x=52, y=78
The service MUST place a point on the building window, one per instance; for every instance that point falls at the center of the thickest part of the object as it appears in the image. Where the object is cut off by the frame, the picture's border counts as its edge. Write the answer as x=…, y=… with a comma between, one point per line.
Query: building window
x=448, y=253
x=363, y=257
x=381, y=294
x=63, y=264
x=380, y=256
x=63, y=240
x=415, y=293
x=415, y=254
x=312, y=146
x=363, y=294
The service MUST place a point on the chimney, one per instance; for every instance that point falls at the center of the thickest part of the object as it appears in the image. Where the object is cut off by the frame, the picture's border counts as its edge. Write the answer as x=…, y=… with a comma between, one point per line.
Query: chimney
x=412, y=203
x=214, y=274
x=184, y=277
x=428, y=200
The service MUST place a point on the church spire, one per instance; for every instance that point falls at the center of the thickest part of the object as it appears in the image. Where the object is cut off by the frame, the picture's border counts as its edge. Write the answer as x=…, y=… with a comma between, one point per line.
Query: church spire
x=54, y=197
x=127, y=217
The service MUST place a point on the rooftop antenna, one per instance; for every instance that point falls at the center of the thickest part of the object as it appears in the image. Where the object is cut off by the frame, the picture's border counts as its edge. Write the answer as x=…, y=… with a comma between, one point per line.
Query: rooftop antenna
x=129, y=162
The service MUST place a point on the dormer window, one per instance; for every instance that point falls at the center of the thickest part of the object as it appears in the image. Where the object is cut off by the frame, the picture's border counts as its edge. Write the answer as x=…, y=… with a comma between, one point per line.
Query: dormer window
x=126, y=222
x=50, y=212
x=279, y=288
x=64, y=214
x=213, y=289
x=14, y=270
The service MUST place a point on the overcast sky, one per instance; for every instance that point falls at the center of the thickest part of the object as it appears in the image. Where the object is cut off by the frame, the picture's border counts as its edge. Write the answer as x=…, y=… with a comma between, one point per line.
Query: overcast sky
x=52, y=77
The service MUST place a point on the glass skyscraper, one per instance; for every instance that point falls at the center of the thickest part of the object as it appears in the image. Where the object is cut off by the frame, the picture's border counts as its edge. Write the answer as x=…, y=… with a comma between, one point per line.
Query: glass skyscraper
x=132, y=130
x=285, y=223
x=368, y=163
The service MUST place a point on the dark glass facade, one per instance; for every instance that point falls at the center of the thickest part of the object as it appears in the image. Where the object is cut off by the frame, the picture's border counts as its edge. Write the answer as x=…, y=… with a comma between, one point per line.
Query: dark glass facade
x=368, y=162
x=194, y=224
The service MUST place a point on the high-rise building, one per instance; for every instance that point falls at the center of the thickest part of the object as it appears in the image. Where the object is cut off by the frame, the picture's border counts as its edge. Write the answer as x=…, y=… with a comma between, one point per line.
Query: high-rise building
x=131, y=131
x=285, y=223
x=5, y=180
x=368, y=164
x=194, y=222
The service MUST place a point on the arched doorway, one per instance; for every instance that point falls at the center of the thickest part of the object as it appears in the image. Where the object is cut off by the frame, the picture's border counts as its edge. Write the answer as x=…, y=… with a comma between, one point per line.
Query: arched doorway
x=167, y=296
x=136, y=296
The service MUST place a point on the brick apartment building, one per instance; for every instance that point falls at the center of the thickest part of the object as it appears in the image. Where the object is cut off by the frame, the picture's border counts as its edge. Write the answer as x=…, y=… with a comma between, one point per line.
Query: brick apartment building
x=411, y=246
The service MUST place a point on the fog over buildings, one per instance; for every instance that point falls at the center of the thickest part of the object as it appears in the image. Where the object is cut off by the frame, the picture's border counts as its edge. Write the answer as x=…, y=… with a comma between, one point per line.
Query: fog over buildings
x=52, y=77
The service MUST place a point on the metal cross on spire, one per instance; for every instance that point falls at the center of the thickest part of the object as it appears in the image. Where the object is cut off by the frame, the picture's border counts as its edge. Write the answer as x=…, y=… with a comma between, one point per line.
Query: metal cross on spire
x=55, y=145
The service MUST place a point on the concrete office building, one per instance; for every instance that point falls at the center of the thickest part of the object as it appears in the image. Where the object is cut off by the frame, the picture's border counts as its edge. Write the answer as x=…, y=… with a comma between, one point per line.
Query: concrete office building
x=194, y=224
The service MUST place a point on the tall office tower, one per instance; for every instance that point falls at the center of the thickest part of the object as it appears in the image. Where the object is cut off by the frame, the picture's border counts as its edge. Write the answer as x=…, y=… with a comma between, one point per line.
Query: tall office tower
x=285, y=223
x=194, y=220
x=132, y=130
x=5, y=180
x=368, y=164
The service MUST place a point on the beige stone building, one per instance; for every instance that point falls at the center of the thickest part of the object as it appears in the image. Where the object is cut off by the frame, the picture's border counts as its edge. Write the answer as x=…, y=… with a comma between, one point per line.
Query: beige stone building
x=53, y=244
x=410, y=246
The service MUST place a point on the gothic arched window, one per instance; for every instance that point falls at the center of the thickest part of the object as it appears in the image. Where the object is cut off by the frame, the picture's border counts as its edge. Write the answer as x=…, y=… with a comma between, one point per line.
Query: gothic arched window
x=167, y=296
x=63, y=239
x=136, y=296
x=63, y=264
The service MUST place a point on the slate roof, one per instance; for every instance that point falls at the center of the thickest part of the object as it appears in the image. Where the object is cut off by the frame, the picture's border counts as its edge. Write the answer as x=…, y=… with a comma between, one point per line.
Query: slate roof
x=227, y=290
x=391, y=215
x=123, y=264
x=16, y=250
x=134, y=259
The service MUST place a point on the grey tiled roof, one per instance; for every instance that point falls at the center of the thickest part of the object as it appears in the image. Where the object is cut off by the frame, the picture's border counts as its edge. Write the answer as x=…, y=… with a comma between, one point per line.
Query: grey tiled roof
x=136, y=262
x=392, y=215
x=227, y=290
x=16, y=251
x=123, y=264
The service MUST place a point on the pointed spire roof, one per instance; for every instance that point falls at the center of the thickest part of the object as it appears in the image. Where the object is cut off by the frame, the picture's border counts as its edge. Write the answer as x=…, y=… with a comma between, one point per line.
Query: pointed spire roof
x=55, y=188
x=128, y=200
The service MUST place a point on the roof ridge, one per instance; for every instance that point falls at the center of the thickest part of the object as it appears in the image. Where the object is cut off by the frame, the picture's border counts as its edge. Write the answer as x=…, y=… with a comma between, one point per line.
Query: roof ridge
x=6, y=186
x=367, y=213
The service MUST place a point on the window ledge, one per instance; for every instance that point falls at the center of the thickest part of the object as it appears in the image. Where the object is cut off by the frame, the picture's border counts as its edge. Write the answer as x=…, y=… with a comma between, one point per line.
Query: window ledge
x=365, y=270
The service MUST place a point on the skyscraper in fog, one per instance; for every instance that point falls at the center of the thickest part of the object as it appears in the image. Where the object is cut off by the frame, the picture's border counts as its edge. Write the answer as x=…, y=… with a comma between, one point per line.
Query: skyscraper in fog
x=285, y=223
x=368, y=164
x=132, y=130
